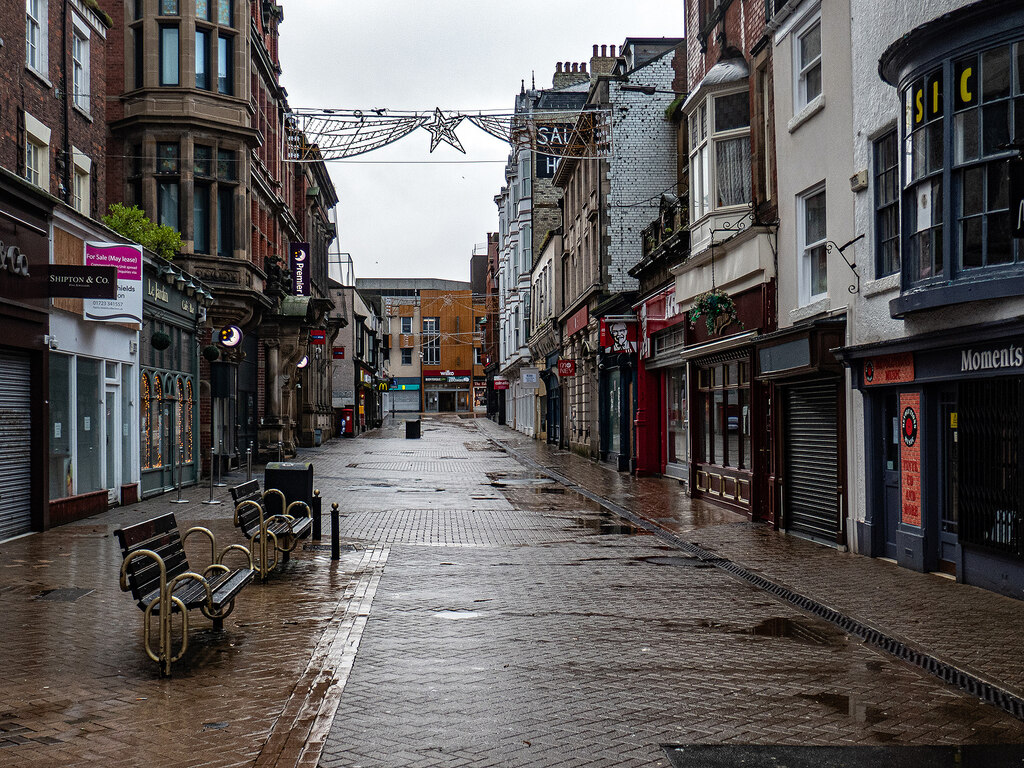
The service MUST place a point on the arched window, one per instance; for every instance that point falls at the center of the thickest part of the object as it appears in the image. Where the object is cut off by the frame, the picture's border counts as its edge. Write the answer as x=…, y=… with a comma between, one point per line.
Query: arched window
x=144, y=437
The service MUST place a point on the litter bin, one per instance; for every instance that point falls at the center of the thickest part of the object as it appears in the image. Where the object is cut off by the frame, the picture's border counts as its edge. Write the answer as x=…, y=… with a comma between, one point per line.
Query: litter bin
x=294, y=479
x=412, y=429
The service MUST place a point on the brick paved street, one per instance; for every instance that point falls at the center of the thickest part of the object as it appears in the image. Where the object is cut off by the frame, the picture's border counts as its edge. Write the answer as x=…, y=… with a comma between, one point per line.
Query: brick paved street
x=483, y=615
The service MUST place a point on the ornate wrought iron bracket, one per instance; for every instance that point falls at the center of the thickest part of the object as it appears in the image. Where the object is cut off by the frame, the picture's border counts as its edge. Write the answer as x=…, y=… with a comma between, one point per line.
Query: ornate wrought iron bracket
x=840, y=249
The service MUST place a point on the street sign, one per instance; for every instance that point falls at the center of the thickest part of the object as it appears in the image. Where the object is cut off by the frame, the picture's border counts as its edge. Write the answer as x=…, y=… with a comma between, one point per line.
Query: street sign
x=530, y=378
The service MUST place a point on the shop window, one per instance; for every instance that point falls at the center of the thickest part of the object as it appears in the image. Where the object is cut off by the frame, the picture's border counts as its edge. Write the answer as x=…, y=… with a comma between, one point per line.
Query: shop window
x=61, y=427
x=156, y=432
x=887, y=205
x=145, y=421
x=169, y=57
x=88, y=425
x=677, y=431
x=811, y=234
x=724, y=391
x=990, y=485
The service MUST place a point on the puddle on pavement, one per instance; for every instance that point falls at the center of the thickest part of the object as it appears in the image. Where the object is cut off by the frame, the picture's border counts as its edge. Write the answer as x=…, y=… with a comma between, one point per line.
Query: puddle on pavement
x=456, y=615
x=857, y=710
x=605, y=524
x=521, y=482
x=678, y=560
x=782, y=626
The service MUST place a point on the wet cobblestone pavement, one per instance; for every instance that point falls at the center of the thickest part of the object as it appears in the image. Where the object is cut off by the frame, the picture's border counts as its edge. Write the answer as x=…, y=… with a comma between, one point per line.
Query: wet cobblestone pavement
x=482, y=615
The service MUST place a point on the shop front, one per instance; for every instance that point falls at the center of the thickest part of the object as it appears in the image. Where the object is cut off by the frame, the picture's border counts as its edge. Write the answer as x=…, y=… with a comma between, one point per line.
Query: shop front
x=944, y=452
x=93, y=376
x=805, y=385
x=662, y=418
x=617, y=363
x=447, y=391
x=24, y=256
x=169, y=390
x=553, y=401
x=403, y=395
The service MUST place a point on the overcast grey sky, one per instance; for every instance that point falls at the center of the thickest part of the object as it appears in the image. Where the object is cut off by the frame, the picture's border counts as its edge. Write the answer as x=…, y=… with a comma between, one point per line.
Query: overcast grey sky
x=405, y=212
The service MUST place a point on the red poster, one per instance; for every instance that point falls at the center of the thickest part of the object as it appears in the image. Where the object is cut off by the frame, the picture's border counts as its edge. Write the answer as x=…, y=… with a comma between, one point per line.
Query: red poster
x=910, y=458
x=339, y=353
x=889, y=369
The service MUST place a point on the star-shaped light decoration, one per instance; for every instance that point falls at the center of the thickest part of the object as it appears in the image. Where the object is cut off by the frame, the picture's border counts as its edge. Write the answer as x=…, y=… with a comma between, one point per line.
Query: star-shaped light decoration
x=443, y=129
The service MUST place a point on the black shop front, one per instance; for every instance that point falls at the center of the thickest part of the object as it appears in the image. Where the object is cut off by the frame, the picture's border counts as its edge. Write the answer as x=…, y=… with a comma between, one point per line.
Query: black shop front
x=944, y=452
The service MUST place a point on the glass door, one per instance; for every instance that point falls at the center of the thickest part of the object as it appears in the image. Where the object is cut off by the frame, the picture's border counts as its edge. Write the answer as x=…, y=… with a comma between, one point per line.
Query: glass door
x=111, y=441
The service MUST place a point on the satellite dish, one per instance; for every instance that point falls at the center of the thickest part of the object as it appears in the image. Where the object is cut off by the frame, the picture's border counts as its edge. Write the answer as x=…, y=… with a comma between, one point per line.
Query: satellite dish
x=230, y=336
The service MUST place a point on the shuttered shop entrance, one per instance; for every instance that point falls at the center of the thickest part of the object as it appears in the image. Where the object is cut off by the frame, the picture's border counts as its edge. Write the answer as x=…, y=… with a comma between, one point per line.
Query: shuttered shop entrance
x=403, y=401
x=812, y=460
x=15, y=445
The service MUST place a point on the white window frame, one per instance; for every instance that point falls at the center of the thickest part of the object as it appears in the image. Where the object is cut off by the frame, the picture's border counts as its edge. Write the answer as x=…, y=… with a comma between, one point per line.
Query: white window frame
x=80, y=65
x=703, y=164
x=80, y=181
x=36, y=26
x=37, y=152
x=804, y=247
x=801, y=69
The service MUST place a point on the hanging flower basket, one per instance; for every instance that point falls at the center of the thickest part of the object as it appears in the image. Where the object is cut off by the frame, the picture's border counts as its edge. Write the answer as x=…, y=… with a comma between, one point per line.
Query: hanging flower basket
x=210, y=352
x=717, y=308
x=160, y=341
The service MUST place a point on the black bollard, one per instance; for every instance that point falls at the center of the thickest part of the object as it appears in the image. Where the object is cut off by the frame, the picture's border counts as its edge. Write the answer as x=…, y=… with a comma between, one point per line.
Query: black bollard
x=316, y=515
x=335, y=545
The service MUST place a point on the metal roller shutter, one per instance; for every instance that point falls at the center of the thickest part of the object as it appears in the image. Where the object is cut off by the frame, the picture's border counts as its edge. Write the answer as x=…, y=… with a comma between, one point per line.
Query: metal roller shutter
x=15, y=442
x=404, y=402
x=812, y=460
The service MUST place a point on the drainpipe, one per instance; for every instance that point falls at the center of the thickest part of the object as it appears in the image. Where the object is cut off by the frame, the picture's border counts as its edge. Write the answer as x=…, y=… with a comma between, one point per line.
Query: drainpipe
x=66, y=53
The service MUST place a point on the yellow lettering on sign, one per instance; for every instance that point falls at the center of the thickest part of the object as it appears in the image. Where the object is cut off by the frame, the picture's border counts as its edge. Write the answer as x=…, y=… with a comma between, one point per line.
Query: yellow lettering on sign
x=965, y=95
x=952, y=420
x=935, y=97
x=919, y=103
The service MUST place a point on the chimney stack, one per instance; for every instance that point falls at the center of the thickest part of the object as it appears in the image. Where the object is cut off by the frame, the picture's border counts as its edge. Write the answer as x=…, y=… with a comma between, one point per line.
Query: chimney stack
x=604, y=63
x=569, y=73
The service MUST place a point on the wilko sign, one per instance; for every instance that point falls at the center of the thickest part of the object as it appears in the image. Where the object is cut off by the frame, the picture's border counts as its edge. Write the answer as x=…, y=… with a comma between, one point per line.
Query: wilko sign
x=299, y=265
x=910, y=458
x=889, y=369
x=566, y=367
x=500, y=382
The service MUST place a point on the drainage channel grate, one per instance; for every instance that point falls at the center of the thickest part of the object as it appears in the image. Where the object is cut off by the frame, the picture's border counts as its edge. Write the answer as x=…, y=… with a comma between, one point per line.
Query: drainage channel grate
x=773, y=755
x=965, y=681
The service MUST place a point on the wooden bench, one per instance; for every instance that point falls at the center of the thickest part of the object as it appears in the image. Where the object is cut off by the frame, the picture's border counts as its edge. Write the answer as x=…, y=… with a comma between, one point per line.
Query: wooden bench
x=283, y=530
x=156, y=571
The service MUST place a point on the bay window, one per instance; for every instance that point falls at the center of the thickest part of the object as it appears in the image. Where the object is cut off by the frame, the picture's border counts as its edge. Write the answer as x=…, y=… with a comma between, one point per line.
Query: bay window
x=720, y=153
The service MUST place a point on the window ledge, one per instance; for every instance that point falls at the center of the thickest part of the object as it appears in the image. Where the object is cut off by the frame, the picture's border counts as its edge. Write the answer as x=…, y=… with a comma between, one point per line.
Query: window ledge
x=882, y=285
x=806, y=312
x=813, y=107
x=83, y=113
x=39, y=75
x=943, y=294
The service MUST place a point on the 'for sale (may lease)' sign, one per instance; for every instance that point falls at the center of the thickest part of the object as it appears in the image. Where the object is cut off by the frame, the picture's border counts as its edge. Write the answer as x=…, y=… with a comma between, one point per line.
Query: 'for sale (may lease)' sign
x=127, y=306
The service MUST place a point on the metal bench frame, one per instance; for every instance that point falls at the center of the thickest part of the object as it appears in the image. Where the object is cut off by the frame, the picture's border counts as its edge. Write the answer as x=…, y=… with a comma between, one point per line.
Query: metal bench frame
x=213, y=592
x=283, y=531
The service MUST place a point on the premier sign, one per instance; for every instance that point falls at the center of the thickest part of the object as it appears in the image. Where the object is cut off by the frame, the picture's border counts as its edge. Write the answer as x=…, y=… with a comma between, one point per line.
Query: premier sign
x=299, y=265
